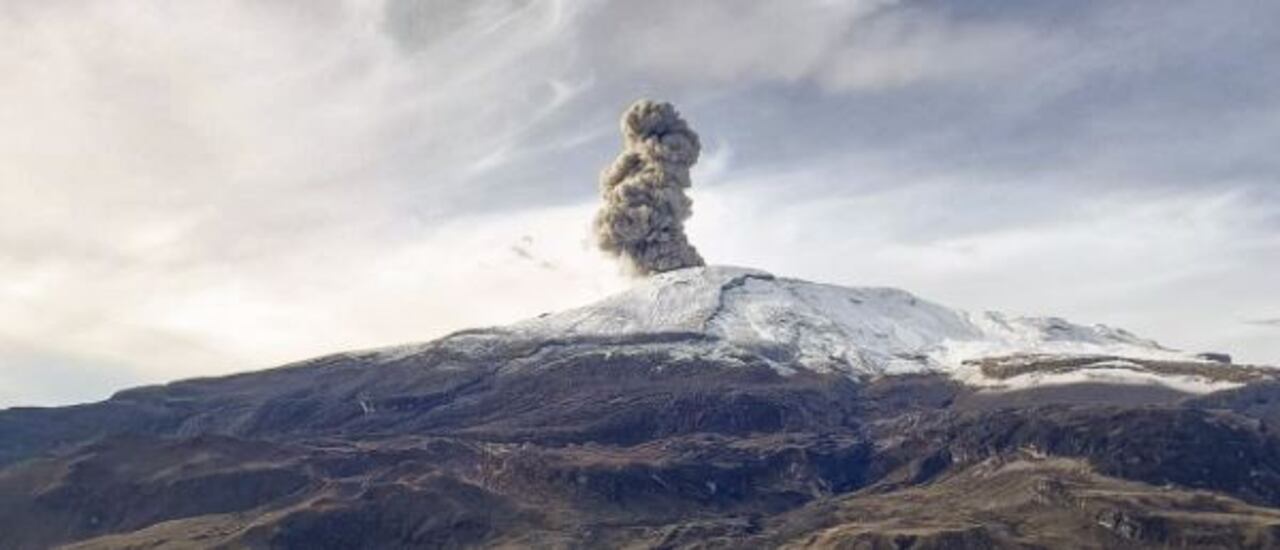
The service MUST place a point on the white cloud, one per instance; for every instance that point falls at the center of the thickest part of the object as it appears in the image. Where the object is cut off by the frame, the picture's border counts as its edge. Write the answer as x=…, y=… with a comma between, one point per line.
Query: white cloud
x=217, y=185
x=208, y=186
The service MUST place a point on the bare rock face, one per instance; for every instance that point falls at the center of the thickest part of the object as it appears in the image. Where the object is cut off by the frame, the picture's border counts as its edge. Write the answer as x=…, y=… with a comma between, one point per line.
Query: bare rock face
x=706, y=408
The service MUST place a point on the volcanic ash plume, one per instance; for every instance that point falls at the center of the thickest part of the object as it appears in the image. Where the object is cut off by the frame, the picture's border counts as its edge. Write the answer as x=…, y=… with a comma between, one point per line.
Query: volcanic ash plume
x=642, y=218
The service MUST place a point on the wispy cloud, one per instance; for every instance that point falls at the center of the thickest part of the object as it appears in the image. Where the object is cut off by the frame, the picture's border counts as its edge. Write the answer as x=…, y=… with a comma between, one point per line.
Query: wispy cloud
x=207, y=186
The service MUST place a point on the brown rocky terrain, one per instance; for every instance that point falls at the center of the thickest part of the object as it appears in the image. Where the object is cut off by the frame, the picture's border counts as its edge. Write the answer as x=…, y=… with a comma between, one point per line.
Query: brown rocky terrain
x=641, y=456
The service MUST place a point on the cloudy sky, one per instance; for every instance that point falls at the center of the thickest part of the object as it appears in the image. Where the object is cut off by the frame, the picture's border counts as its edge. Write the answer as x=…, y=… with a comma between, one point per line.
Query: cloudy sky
x=203, y=187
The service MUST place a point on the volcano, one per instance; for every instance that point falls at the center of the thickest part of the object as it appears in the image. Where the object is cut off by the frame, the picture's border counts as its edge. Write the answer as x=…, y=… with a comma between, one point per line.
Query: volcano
x=708, y=407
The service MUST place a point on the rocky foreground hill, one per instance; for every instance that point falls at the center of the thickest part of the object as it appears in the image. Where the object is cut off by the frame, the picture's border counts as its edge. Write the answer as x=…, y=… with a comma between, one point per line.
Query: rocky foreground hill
x=706, y=408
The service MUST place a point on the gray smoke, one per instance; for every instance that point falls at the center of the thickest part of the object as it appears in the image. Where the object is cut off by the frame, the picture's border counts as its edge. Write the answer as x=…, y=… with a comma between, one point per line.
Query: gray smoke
x=645, y=206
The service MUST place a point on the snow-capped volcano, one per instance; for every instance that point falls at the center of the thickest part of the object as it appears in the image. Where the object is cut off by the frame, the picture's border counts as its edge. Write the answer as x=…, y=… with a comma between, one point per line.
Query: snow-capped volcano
x=738, y=315
x=695, y=399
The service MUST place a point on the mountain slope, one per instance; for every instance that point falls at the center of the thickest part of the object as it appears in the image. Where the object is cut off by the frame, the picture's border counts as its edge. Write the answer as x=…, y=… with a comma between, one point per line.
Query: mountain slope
x=705, y=407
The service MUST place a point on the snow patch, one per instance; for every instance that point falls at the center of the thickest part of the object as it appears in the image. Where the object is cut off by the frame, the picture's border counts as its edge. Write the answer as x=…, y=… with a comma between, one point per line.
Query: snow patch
x=1105, y=375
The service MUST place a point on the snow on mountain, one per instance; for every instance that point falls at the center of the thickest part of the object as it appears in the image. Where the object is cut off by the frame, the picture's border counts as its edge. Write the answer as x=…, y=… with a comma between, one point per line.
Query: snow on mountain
x=876, y=330
x=857, y=332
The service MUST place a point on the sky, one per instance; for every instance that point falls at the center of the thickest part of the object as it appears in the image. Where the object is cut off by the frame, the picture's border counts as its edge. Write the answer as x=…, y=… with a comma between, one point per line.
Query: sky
x=211, y=186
